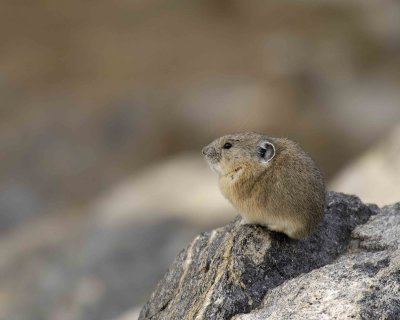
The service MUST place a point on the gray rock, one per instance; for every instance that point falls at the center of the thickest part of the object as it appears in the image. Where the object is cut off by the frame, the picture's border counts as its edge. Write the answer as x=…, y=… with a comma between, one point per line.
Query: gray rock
x=348, y=268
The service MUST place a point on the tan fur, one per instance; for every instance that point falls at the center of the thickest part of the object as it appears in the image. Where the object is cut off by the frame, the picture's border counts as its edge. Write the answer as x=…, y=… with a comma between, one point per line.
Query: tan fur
x=285, y=194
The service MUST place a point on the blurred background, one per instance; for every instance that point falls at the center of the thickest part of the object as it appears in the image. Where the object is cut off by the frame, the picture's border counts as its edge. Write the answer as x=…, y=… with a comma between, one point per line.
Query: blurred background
x=105, y=106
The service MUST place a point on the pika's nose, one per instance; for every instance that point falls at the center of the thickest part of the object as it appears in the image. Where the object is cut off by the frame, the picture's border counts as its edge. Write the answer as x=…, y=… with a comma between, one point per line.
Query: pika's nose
x=208, y=150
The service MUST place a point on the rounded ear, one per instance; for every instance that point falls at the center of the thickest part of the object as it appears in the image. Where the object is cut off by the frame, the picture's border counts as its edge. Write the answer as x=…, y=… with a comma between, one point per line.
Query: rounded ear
x=266, y=151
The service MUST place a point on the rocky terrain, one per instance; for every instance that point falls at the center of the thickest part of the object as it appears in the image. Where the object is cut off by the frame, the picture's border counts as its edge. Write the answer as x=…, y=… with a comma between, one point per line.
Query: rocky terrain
x=348, y=268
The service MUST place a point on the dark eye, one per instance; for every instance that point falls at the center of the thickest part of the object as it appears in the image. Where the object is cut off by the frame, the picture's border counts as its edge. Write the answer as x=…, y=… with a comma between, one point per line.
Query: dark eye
x=227, y=145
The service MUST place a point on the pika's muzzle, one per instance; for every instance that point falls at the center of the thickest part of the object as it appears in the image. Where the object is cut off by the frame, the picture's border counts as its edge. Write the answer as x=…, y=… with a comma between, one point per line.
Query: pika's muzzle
x=210, y=153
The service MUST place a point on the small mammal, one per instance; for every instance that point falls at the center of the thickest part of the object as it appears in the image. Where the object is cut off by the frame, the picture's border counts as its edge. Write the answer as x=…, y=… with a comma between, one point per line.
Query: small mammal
x=270, y=181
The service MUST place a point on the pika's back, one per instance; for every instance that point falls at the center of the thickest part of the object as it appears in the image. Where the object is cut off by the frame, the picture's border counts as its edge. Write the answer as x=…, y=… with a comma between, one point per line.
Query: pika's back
x=297, y=185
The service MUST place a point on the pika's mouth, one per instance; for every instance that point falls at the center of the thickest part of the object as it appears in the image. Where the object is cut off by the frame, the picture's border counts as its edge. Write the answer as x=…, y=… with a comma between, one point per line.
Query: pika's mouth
x=212, y=159
x=213, y=164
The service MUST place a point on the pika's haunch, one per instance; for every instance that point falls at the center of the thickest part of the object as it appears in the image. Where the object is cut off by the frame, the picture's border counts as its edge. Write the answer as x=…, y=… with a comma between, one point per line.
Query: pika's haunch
x=270, y=181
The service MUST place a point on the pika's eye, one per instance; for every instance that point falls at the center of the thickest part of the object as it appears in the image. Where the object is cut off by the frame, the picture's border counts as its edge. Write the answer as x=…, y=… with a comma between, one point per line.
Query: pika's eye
x=227, y=145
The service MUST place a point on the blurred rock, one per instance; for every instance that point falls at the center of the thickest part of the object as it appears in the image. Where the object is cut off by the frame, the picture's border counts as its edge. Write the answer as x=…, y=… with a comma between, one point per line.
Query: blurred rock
x=375, y=175
x=91, y=93
x=18, y=203
x=181, y=187
x=95, y=265
x=84, y=269
x=345, y=103
x=238, y=104
x=132, y=315
x=348, y=268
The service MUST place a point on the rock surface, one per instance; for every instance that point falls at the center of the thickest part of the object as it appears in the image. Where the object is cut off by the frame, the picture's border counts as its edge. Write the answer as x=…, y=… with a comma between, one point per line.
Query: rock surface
x=348, y=268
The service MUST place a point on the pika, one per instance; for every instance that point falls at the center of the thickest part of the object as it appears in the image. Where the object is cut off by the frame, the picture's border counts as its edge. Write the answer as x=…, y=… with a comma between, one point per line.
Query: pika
x=270, y=181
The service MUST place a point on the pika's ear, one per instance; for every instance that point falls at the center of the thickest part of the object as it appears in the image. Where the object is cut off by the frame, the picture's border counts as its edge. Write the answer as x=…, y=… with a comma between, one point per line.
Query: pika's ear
x=266, y=151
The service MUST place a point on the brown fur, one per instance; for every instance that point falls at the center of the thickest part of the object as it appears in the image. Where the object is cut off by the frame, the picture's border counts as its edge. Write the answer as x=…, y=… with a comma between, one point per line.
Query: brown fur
x=286, y=194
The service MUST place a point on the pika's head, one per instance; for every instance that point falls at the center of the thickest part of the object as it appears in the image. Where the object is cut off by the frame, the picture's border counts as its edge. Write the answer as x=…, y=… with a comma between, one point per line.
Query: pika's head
x=234, y=152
